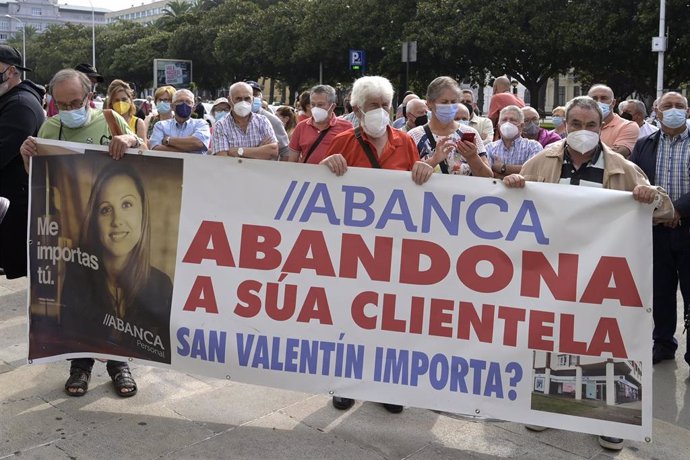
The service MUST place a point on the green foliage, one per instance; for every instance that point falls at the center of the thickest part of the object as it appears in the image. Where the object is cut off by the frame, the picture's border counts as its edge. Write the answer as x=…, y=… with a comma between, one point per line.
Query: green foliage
x=531, y=41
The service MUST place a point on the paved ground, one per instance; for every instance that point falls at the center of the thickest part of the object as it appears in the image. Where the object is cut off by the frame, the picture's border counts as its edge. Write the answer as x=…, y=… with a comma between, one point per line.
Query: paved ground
x=183, y=416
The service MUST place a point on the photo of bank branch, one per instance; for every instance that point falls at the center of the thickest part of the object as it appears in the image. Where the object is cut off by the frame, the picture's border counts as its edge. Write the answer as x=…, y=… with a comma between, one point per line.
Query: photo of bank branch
x=587, y=386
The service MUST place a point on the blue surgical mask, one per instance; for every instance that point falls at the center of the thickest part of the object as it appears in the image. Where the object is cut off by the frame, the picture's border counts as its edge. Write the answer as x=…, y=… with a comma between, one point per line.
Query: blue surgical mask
x=557, y=121
x=445, y=113
x=605, y=108
x=73, y=118
x=183, y=110
x=163, y=107
x=220, y=115
x=674, y=118
x=256, y=105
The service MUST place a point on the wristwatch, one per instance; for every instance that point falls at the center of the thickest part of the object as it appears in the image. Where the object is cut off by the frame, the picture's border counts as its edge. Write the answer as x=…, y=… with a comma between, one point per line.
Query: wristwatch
x=240, y=152
x=166, y=140
x=503, y=168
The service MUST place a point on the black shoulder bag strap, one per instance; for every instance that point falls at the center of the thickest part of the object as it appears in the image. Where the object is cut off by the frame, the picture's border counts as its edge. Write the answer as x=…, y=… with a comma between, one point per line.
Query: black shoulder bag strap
x=316, y=143
x=432, y=142
x=372, y=158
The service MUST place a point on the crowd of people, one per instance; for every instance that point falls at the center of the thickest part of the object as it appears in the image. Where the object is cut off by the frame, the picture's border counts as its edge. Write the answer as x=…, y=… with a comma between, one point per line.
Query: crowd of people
x=439, y=133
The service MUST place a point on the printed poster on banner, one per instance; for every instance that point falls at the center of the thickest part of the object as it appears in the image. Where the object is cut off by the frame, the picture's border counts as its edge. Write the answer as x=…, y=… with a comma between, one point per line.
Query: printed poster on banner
x=459, y=295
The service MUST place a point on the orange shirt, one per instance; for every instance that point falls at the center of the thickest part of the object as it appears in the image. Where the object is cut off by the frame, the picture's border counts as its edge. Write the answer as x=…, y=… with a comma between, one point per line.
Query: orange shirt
x=620, y=132
x=499, y=102
x=400, y=153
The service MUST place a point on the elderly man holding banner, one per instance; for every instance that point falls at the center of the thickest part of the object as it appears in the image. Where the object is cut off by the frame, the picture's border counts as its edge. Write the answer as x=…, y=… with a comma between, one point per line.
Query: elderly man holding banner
x=582, y=159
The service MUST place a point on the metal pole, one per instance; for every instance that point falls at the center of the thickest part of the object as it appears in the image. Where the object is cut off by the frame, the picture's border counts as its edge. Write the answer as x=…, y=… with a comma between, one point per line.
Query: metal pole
x=320, y=73
x=93, y=35
x=407, y=67
x=660, y=65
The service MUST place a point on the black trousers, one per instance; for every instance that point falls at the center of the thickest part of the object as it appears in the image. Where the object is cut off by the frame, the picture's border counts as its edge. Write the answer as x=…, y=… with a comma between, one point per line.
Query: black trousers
x=671, y=267
x=86, y=364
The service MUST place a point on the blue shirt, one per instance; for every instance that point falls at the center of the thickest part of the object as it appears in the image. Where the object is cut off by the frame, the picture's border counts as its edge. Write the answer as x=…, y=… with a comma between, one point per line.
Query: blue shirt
x=673, y=164
x=518, y=153
x=192, y=127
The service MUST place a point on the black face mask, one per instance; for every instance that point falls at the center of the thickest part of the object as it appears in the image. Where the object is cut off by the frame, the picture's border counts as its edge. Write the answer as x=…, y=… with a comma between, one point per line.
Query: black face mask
x=470, y=110
x=626, y=116
x=421, y=120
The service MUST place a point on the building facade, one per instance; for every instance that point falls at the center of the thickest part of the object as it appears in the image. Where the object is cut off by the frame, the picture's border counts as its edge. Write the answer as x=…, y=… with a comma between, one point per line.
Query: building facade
x=144, y=13
x=586, y=377
x=39, y=14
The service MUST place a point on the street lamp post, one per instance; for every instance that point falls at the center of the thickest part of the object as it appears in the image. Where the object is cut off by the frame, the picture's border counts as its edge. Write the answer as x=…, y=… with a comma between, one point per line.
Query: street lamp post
x=23, y=43
x=93, y=35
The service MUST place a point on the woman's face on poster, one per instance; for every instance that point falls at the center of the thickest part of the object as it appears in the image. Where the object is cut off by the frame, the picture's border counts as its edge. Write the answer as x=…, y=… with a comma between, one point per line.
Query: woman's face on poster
x=119, y=216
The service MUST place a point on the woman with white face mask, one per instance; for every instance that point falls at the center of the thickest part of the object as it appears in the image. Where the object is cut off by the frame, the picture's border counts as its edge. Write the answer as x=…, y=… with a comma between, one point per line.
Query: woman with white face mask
x=449, y=146
x=374, y=144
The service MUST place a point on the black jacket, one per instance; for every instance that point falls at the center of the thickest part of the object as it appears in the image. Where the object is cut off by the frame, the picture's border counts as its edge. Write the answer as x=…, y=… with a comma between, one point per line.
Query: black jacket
x=644, y=155
x=21, y=115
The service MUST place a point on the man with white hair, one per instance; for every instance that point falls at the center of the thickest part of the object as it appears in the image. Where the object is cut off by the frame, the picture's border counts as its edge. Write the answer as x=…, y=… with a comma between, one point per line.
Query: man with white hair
x=244, y=134
x=635, y=111
x=532, y=130
x=181, y=133
x=374, y=144
x=401, y=113
x=617, y=133
x=508, y=153
x=664, y=156
x=416, y=114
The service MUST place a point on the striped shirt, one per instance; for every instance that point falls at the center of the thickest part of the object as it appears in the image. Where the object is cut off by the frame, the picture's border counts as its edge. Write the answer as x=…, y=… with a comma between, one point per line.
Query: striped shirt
x=518, y=153
x=589, y=174
x=673, y=164
x=227, y=134
x=456, y=162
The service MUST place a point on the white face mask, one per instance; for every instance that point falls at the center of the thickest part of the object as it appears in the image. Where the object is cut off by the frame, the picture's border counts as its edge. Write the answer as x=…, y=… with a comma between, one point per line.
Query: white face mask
x=320, y=115
x=375, y=122
x=508, y=131
x=242, y=108
x=582, y=141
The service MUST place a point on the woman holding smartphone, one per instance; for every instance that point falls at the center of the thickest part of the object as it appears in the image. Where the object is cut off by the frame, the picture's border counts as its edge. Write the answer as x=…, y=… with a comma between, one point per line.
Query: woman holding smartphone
x=447, y=145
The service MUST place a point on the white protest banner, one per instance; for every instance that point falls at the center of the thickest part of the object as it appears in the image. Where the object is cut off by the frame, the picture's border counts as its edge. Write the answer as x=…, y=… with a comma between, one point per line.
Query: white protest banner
x=460, y=295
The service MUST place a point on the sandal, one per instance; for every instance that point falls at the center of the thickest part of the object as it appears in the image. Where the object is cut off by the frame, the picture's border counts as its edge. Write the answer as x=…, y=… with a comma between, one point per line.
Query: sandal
x=125, y=386
x=78, y=380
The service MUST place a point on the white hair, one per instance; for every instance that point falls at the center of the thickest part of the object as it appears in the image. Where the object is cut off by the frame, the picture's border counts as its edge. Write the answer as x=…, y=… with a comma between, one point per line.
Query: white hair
x=370, y=87
x=515, y=109
x=182, y=92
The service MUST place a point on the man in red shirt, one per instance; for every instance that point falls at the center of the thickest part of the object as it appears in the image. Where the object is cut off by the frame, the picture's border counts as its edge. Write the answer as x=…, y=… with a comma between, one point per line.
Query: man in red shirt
x=501, y=99
x=375, y=144
x=312, y=137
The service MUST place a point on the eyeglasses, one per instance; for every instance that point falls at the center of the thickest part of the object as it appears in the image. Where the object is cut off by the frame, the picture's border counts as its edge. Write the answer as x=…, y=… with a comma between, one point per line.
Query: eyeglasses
x=74, y=105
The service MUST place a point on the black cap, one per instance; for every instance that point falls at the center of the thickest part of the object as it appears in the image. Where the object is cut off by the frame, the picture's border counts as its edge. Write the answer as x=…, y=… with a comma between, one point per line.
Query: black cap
x=254, y=85
x=12, y=56
x=90, y=71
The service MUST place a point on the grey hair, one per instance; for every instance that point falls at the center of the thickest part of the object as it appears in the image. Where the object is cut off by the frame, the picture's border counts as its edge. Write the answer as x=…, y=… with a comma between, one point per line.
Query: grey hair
x=622, y=106
x=584, y=102
x=70, y=74
x=685, y=99
x=515, y=109
x=328, y=90
x=439, y=84
x=639, y=106
x=366, y=87
x=182, y=92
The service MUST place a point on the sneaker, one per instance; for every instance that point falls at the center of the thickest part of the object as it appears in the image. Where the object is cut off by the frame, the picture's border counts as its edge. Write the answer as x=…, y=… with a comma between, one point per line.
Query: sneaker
x=342, y=403
x=537, y=428
x=393, y=408
x=659, y=354
x=610, y=443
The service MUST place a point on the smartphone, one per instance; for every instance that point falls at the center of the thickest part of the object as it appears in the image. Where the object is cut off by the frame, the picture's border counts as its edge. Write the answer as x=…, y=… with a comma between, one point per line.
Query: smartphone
x=467, y=137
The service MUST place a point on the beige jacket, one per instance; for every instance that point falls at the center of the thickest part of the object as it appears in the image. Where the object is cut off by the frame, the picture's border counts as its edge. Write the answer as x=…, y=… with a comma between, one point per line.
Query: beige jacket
x=619, y=174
